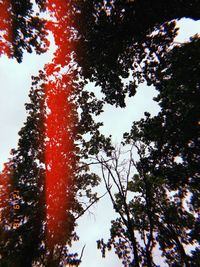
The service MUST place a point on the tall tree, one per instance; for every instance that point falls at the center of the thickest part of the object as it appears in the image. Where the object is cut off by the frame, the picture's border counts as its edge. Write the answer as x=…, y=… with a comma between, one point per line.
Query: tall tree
x=26, y=244
x=163, y=207
x=22, y=241
x=152, y=216
x=110, y=43
x=175, y=129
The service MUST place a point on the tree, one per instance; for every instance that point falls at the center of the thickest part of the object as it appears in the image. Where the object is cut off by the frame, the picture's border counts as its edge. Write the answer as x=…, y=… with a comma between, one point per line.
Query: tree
x=121, y=39
x=29, y=243
x=22, y=29
x=163, y=208
x=105, y=42
x=21, y=243
x=112, y=39
x=152, y=216
x=47, y=168
x=175, y=129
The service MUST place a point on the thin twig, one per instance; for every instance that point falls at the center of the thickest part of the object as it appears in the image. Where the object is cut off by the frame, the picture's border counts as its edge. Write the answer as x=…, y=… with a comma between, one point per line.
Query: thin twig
x=82, y=253
x=90, y=206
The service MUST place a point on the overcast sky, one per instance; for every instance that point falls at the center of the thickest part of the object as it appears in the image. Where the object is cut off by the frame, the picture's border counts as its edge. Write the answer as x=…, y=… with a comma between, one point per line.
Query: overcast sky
x=15, y=80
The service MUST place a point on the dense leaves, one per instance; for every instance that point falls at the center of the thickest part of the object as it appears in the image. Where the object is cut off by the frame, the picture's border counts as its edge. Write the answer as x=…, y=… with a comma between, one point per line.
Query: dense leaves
x=121, y=39
x=26, y=172
x=175, y=130
x=158, y=206
x=117, y=45
x=22, y=29
x=112, y=40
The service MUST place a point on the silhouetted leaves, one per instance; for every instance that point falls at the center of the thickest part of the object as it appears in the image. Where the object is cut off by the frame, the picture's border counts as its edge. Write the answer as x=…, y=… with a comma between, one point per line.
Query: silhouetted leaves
x=117, y=45
x=121, y=39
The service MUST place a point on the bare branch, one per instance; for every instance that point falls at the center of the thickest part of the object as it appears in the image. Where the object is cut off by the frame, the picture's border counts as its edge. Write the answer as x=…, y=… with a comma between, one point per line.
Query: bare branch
x=82, y=251
x=90, y=205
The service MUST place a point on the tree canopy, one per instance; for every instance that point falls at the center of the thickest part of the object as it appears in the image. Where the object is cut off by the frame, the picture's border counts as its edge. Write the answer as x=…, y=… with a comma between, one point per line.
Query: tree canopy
x=26, y=242
x=117, y=45
x=112, y=40
x=162, y=210
x=120, y=39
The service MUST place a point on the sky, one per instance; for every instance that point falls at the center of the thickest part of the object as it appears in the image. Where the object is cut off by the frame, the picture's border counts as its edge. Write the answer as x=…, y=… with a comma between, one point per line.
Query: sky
x=15, y=80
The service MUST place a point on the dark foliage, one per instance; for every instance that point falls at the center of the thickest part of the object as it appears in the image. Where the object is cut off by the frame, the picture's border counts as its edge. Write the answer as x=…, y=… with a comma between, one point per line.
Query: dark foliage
x=117, y=38
x=107, y=42
x=26, y=244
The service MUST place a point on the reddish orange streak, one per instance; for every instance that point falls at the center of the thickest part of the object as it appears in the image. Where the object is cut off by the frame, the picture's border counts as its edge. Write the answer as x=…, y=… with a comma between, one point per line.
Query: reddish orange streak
x=5, y=28
x=5, y=48
x=59, y=147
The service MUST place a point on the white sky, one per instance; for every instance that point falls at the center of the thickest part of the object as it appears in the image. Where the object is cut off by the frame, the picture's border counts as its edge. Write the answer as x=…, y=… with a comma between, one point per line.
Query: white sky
x=15, y=80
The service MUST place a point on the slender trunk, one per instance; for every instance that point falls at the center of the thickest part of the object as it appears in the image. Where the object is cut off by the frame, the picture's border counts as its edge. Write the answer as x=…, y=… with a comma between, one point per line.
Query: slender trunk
x=149, y=258
x=148, y=200
x=130, y=227
x=134, y=244
x=183, y=255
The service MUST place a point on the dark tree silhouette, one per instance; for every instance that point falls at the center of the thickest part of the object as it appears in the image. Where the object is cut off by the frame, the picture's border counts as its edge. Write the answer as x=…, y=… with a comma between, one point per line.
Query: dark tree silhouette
x=104, y=42
x=159, y=205
x=21, y=28
x=25, y=243
x=120, y=39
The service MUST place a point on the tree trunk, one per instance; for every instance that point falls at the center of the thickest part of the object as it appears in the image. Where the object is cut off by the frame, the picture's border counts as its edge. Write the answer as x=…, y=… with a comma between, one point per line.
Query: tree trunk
x=149, y=258
x=134, y=244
